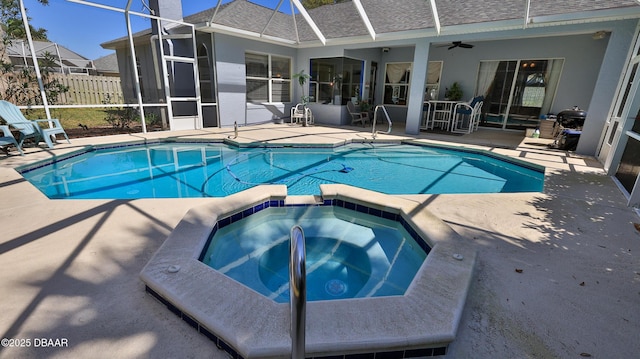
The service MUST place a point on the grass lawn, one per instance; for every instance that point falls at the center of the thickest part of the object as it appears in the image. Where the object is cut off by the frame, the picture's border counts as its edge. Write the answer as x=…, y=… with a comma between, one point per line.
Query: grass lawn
x=89, y=122
x=73, y=117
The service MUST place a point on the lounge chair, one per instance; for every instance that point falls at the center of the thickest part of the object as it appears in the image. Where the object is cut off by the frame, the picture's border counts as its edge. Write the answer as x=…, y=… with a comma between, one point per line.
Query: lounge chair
x=30, y=129
x=7, y=140
x=357, y=116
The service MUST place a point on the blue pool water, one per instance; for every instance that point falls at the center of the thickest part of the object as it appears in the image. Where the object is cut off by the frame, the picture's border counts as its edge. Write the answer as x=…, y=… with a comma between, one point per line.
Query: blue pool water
x=349, y=254
x=178, y=170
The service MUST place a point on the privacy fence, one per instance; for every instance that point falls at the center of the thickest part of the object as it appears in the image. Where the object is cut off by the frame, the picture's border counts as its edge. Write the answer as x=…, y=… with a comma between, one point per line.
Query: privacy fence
x=89, y=90
x=83, y=89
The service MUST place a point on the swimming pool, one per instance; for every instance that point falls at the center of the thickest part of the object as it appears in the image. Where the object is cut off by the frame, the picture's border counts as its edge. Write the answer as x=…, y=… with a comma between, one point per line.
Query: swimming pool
x=187, y=170
x=349, y=254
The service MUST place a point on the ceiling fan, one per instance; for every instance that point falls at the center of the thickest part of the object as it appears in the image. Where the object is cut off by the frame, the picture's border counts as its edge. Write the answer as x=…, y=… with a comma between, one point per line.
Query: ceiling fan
x=461, y=44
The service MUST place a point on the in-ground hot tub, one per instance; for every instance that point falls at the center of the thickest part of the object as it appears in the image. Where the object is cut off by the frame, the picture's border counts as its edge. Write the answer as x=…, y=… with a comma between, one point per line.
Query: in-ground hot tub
x=421, y=322
x=349, y=253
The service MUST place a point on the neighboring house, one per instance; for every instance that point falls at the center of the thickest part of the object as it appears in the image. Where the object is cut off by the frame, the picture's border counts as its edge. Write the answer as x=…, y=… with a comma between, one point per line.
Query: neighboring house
x=107, y=65
x=65, y=60
x=529, y=58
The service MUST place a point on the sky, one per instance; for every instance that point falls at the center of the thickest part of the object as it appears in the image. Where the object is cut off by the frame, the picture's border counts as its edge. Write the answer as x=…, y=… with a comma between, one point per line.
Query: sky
x=82, y=28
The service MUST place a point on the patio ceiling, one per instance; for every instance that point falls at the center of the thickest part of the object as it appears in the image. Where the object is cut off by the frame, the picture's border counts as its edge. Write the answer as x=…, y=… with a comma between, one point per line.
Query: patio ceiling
x=288, y=22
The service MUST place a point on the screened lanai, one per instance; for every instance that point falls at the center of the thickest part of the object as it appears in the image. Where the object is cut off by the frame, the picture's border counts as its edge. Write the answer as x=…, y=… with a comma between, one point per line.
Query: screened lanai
x=190, y=96
x=236, y=62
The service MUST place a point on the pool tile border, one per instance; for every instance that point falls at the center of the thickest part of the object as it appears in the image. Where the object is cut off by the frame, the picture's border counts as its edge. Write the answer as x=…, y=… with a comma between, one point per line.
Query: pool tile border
x=222, y=345
x=43, y=163
x=240, y=215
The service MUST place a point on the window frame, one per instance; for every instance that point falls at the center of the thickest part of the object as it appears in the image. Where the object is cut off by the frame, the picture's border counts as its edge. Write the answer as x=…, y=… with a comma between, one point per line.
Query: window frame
x=396, y=88
x=271, y=79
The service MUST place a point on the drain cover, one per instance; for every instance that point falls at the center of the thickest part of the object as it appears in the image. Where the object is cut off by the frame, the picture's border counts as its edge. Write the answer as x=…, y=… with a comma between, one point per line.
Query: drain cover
x=335, y=287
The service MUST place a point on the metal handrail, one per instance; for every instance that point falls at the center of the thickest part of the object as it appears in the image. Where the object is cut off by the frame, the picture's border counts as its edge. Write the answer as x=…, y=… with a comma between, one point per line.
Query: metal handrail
x=374, y=133
x=297, y=292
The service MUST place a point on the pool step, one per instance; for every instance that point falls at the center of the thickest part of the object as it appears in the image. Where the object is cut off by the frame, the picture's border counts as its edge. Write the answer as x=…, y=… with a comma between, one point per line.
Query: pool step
x=303, y=200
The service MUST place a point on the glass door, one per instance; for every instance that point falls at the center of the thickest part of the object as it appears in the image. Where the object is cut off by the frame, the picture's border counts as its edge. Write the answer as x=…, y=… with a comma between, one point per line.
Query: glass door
x=620, y=119
x=517, y=92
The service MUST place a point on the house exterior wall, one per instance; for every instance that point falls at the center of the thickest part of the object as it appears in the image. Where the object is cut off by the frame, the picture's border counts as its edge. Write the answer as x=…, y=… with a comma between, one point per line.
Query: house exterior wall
x=602, y=100
x=582, y=58
x=590, y=71
x=231, y=76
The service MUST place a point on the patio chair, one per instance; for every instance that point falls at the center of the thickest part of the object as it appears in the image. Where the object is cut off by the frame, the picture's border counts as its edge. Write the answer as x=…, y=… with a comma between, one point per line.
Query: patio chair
x=30, y=129
x=298, y=113
x=7, y=140
x=357, y=116
x=469, y=114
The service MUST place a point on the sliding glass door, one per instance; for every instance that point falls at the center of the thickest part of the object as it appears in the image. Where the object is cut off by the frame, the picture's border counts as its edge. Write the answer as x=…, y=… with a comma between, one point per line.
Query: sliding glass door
x=517, y=92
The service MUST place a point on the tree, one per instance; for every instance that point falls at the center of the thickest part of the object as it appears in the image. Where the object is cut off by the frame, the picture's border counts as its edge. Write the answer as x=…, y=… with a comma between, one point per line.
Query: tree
x=312, y=4
x=302, y=80
x=20, y=84
x=11, y=21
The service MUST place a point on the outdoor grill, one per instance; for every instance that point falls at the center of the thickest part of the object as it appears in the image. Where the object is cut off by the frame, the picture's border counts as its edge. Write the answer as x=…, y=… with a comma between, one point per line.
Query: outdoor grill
x=572, y=118
x=568, y=128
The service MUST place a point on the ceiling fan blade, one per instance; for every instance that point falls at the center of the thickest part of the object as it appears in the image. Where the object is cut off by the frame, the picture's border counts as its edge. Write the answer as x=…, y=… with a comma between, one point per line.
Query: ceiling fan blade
x=452, y=46
x=466, y=46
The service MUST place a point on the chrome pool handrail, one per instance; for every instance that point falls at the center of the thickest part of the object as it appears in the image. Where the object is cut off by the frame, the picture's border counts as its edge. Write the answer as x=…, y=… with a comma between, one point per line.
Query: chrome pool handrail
x=297, y=291
x=374, y=133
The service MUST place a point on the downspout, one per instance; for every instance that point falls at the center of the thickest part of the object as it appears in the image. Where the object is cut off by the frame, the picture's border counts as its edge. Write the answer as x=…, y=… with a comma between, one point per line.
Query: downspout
x=136, y=80
x=27, y=30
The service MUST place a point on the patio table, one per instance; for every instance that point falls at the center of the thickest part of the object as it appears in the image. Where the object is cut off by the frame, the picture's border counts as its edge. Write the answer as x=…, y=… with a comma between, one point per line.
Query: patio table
x=441, y=113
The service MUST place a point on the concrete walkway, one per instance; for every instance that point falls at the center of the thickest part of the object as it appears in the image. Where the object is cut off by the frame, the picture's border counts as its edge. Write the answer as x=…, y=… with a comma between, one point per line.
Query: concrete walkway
x=557, y=275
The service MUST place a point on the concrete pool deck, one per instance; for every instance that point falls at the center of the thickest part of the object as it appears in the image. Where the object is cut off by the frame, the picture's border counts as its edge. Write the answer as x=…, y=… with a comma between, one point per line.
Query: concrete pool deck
x=557, y=273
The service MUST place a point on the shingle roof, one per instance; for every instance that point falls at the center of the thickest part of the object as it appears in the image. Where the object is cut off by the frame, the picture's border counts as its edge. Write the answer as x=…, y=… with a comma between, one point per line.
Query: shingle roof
x=342, y=20
x=20, y=48
x=387, y=16
x=392, y=16
x=107, y=64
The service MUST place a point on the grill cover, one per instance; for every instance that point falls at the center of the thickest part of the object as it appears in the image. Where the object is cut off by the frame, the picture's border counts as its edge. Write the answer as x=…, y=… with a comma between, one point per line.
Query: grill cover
x=572, y=118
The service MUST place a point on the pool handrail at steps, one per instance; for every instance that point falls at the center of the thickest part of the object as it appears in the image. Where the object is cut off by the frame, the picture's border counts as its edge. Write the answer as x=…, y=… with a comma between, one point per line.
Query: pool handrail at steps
x=297, y=291
x=374, y=133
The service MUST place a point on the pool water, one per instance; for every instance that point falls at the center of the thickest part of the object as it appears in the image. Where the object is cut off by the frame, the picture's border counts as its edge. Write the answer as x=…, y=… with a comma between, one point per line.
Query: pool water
x=179, y=170
x=348, y=254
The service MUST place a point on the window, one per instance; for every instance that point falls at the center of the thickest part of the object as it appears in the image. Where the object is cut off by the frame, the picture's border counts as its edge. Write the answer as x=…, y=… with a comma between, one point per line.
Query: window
x=206, y=76
x=335, y=80
x=268, y=78
x=434, y=71
x=396, y=83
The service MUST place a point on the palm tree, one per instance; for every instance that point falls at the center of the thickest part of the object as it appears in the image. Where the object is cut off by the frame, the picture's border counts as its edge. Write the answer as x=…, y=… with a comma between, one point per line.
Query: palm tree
x=302, y=80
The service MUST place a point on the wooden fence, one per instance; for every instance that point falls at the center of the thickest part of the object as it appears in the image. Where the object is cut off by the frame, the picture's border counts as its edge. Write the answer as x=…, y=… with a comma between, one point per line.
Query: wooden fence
x=83, y=89
x=89, y=90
